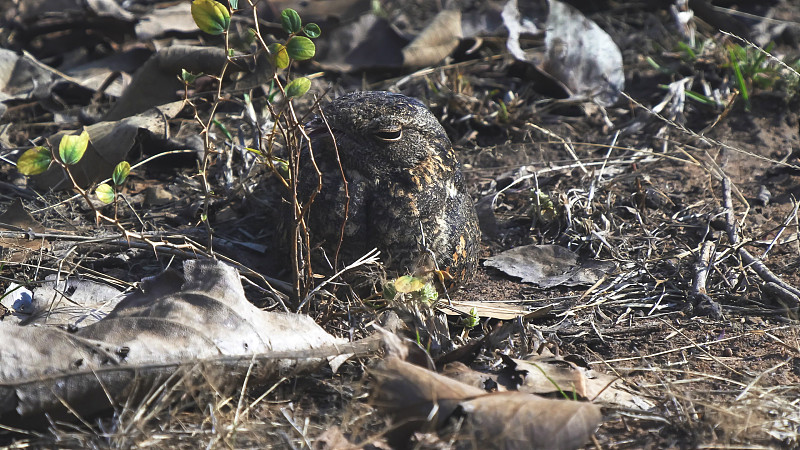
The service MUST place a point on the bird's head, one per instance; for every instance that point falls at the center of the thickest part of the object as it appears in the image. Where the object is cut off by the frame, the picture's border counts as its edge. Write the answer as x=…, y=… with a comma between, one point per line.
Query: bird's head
x=380, y=132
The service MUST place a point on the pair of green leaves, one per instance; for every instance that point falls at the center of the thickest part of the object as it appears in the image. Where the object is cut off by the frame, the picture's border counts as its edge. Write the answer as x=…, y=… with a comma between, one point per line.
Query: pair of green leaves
x=291, y=23
x=298, y=47
x=107, y=193
x=70, y=150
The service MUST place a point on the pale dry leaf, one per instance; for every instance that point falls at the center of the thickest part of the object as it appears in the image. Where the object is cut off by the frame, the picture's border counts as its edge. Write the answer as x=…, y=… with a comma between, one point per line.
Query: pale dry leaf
x=422, y=400
x=201, y=319
x=556, y=376
x=512, y=420
x=436, y=41
x=549, y=265
x=109, y=143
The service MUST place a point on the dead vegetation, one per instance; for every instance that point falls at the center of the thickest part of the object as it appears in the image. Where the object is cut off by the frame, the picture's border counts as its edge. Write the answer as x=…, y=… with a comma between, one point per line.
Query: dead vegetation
x=655, y=229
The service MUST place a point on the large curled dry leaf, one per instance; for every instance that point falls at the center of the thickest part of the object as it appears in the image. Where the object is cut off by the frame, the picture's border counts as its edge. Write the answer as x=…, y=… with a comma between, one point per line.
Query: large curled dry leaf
x=157, y=83
x=436, y=41
x=422, y=400
x=509, y=420
x=549, y=265
x=578, y=54
x=551, y=375
x=372, y=42
x=109, y=144
x=200, y=320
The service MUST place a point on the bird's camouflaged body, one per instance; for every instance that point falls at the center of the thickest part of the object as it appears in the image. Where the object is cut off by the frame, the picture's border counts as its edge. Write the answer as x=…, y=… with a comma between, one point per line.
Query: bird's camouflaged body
x=406, y=189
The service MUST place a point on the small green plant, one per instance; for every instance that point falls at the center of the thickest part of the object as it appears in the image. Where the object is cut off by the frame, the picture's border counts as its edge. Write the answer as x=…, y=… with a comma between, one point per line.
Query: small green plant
x=71, y=149
x=215, y=18
x=752, y=69
x=472, y=320
x=410, y=288
x=544, y=209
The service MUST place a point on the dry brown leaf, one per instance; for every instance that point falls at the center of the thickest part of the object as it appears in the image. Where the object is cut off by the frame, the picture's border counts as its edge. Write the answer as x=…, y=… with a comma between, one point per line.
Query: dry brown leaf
x=551, y=375
x=461, y=372
x=200, y=320
x=436, y=41
x=422, y=400
x=549, y=265
x=175, y=17
x=578, y=54
x=109, y=143
x=512, y=420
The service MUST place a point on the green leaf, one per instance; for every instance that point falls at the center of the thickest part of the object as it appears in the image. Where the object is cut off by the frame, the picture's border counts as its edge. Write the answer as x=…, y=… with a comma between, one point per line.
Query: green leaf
x=700, y=98
x=737, y=71
x=389, y=291
x=210, y=16
x=472, y=320
x=71, y=148
x=312, y=30
x=234, y=4
x=278, y=55
x=105, y=193
x=188, y=77
x=121, y=172
x=428, y=294
x=250, y=36
x=223, y=128
x=34, y=161
x=300, y=48
x=298, y=87
x=290, y=21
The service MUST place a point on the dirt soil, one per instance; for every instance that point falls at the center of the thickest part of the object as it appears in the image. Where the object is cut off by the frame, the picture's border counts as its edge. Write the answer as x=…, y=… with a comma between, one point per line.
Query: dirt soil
x=641, y=188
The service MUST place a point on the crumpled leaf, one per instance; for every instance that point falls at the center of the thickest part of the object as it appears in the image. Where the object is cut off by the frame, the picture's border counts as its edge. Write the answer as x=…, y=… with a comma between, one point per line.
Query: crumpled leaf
x=507, y=420
x=436, y=41
x=549, y=265
x=201, y=319
x=22, y=76
x=372, y=42
x=578, y=53
x=110, y=143
x=73, y=301
x=557, y=376
x=157, y=81
x=420, y=399
x=369, y=42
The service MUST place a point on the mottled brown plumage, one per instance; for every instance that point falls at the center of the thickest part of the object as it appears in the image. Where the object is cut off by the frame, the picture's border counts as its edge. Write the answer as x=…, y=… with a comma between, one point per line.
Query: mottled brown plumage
x=407, y=194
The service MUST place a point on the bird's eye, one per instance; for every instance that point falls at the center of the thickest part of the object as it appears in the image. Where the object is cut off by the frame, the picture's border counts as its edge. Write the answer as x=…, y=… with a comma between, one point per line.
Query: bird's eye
x=389, y=134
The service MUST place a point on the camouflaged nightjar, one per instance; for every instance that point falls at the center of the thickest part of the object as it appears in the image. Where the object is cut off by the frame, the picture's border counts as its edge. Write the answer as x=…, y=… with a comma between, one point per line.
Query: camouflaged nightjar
x=407, y=194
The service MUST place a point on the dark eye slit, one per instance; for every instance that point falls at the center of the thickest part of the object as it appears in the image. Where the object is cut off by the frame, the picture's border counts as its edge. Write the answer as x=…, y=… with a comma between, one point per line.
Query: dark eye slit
x=389, y=135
